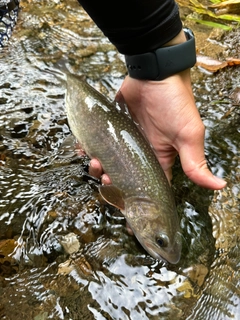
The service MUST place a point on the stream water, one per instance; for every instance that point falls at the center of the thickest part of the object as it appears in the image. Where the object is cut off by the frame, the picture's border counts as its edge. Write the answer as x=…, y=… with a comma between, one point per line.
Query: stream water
x=64, y=253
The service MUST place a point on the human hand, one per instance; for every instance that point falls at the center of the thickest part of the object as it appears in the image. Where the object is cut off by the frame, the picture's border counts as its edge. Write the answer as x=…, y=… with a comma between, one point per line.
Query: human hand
x=167, y=112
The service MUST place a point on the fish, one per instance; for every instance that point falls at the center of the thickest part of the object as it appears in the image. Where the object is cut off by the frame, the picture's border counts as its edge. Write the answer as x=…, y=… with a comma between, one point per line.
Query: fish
x=139, y=187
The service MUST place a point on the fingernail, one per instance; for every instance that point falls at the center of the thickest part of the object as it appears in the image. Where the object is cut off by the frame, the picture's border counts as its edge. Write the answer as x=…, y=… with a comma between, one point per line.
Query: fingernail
x=220, y=181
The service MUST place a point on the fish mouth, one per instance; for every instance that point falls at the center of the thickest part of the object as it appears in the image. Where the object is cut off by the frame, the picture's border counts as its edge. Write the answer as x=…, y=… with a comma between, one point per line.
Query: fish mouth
x=171, y=256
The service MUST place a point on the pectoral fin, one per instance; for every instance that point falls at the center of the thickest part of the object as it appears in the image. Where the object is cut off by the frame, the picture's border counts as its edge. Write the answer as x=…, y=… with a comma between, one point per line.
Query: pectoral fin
x=112, y=195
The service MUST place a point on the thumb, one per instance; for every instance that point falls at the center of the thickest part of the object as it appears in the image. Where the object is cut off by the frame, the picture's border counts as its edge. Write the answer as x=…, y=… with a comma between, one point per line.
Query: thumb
x=195, y=167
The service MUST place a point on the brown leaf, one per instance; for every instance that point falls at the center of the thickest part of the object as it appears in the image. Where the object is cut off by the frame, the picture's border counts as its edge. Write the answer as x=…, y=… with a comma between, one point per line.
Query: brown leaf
x=210, y=64
x=214, y=65
x=233, y=62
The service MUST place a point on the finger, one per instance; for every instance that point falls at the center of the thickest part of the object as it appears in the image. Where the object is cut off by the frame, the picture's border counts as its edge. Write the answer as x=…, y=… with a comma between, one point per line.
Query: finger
x=95, y=168
x=195, y=167
x=79, y=150
x=105, y=179
x=166, y=159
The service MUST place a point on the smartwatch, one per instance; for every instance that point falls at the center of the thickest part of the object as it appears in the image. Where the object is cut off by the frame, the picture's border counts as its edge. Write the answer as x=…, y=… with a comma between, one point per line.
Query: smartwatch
x=163, y=62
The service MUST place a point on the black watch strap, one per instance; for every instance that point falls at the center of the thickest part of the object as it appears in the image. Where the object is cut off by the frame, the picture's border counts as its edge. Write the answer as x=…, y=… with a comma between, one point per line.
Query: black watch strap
x=163, y=62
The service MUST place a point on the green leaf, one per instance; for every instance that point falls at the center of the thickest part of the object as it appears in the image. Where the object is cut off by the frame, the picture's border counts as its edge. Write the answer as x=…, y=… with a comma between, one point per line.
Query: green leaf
x=212, y=24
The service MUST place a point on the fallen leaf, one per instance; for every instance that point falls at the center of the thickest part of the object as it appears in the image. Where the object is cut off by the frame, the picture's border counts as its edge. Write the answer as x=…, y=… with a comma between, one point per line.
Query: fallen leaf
x=210, y=64
x=233, y=62
x=214, y=65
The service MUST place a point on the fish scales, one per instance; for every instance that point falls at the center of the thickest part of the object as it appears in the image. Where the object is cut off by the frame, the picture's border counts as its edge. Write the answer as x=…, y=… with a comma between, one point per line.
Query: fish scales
x=139, y=186
x=95, y=136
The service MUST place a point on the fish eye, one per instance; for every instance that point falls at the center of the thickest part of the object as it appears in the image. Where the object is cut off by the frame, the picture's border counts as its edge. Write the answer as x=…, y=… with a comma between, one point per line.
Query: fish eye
x=162, y=241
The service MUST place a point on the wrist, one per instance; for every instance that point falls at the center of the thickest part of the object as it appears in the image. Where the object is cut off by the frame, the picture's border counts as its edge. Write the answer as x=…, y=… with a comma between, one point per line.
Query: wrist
x=175, y=56
x=180, y=38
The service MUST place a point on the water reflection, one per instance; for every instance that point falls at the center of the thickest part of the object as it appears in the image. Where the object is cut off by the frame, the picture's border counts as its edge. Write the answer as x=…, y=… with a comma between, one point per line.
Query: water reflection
x=47, y=195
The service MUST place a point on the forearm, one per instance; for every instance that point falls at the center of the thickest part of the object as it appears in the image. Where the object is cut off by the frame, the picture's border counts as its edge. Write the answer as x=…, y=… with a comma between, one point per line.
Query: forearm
x=136, y=27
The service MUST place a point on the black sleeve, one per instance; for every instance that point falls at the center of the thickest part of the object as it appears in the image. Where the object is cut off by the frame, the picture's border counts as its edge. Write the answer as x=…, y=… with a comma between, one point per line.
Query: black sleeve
x=135, y=26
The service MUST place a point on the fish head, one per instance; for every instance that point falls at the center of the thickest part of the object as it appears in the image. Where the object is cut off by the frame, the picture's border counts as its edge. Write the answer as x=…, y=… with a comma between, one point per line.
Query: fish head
x=156, y=230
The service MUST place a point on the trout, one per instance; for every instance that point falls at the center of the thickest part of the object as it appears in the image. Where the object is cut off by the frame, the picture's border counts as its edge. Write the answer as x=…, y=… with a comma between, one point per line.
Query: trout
x=139, y=187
